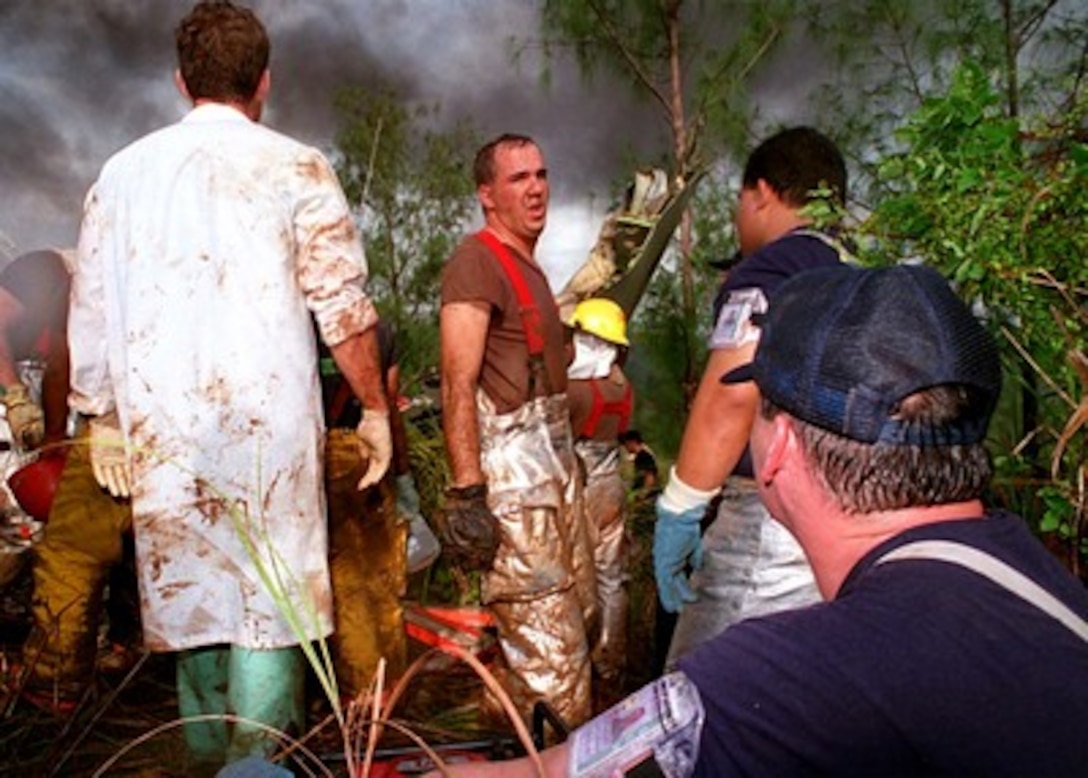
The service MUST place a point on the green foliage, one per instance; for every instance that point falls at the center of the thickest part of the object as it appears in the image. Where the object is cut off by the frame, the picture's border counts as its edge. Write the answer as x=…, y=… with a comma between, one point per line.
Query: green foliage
x=658, y=366
x=413, y=194
x=1058, y=512
x=712, y=221
x=997, y=204
x=823, y=210
x=692, y=61
x=885, y=59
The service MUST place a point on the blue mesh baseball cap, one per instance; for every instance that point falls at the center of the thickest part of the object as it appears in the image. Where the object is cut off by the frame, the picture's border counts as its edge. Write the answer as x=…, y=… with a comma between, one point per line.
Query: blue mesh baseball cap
x=840, y=347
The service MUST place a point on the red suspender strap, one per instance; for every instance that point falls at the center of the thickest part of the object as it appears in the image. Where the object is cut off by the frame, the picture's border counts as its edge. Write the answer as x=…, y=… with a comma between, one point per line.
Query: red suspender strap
x=530, y=313
x=621, y=408
x=589, y=429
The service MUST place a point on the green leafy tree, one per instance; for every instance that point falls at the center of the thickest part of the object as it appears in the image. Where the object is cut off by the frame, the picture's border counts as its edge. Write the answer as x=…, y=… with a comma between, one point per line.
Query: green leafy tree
x=881, y=61
x=692, y=61
x=995, y=91
x=413, y=194
x=997, y=204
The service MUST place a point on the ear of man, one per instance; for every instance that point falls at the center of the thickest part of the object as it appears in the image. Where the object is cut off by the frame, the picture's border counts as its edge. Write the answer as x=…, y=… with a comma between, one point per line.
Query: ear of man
x=183, y=88
x=779, y=446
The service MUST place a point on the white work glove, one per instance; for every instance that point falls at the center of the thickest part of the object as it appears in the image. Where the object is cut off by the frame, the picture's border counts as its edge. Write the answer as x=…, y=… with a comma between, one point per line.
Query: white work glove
x=25, y=417
x=375, y=444
x=109, y=458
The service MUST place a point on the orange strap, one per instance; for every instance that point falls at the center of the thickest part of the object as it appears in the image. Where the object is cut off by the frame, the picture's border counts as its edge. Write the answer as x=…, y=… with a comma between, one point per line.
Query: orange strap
x=530, y=313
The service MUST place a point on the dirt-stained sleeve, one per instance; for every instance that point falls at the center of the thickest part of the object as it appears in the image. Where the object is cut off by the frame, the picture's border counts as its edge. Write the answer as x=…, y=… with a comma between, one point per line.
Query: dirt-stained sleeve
x=88, y=339
x=332, y=269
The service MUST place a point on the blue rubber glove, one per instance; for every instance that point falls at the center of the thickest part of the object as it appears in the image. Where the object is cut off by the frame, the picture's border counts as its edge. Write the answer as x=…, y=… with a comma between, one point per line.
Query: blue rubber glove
x=678, y=541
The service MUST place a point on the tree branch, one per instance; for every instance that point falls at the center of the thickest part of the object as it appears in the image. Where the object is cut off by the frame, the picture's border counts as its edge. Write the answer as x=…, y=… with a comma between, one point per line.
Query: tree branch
x=613, y=36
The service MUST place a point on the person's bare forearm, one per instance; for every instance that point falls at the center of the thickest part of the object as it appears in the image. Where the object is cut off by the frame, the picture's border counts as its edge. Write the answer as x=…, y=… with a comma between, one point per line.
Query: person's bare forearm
x=460, y=426
x=55, y=392
x=463, y=333
x=717, y=429
x=359, y=360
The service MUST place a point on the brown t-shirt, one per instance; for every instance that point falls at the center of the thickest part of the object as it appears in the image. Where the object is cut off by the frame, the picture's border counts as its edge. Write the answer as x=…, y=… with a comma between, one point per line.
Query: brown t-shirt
x=473, y=274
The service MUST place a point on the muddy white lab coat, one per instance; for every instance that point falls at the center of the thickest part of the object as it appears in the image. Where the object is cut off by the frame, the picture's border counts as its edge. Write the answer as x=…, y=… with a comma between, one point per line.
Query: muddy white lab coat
x=204, y=248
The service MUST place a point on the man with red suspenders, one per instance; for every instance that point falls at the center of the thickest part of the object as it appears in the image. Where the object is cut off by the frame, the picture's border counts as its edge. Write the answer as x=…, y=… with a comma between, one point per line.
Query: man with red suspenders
x=510, y=508
x=601, y=401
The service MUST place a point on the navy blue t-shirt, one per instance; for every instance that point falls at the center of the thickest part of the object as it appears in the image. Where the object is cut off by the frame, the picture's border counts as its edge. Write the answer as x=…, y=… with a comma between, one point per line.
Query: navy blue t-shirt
x=771, y=265
x=767, y=269
x=915, y=667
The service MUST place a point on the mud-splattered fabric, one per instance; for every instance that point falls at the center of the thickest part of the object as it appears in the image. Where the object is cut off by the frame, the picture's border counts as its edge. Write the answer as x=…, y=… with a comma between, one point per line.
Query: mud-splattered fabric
x=83, y=539
x=205, y=247
x=368, y=564
x=535, y=588
x=604, y=503
x=752, y=566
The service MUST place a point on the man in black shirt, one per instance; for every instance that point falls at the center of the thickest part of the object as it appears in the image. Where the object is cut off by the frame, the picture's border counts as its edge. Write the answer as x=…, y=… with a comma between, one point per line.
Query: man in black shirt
x=645, y=464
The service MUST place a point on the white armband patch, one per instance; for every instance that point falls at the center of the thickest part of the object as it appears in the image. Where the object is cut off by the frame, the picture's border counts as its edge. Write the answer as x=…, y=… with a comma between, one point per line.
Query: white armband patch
x=661, y=723
x=734, y=327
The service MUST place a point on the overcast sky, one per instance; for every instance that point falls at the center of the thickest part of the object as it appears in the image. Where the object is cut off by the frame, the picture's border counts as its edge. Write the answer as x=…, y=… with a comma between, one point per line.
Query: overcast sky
x=79, y=79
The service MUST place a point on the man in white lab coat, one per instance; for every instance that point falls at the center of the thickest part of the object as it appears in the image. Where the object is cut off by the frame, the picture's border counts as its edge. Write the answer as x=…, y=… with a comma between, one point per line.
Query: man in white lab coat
x=205, y=247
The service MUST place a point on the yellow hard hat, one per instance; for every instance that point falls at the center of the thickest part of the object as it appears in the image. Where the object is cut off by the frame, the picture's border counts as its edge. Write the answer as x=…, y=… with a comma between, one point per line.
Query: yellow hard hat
x=601, y=317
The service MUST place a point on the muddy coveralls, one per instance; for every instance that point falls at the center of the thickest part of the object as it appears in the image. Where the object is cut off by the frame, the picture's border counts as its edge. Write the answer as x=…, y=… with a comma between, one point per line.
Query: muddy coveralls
x=752, y=566
x=83, y=540
x=367, y=544
x=605, y=502
x=220, y=215
x=367, y=565
x=601, y=400
x=542, y=574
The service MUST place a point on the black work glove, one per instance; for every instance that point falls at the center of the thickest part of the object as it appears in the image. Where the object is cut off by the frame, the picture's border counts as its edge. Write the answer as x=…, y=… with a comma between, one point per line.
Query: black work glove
x=468, y=529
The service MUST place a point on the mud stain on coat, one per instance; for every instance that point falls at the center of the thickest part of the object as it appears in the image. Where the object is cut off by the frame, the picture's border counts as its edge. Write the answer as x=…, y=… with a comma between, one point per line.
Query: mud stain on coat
x=209, y=502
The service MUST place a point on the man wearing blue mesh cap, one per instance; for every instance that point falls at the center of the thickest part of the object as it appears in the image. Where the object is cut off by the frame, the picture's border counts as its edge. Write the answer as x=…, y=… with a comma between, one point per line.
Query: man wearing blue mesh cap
x=950, y=641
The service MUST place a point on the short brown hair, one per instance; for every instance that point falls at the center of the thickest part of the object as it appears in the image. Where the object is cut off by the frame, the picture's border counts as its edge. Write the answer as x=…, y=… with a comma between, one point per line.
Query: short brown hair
x=795, y=163
x=483, y=169
x=872, y=477
x=223, y=51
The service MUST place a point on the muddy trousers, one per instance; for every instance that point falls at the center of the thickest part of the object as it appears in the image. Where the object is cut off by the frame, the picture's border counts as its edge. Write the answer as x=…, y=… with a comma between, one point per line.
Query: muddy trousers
x=83, y=540
x=240, y=694
x=541, y=587
x=604, y=506
x=752, y=566
x=544, y=647
x=368, y=568
x=543, y=634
